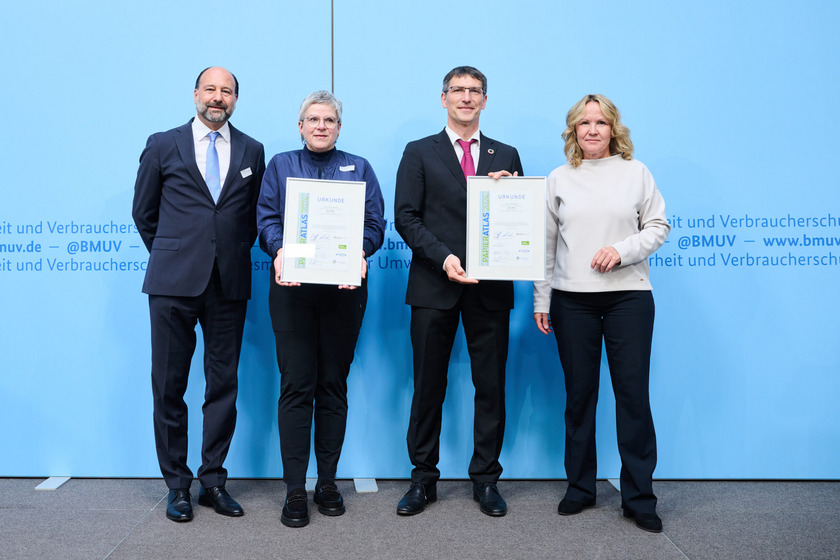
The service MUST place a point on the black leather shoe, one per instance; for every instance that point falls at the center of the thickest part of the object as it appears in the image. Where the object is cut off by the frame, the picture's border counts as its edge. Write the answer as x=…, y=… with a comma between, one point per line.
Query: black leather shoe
x=179, y=507
x=573, y=507
x=489, y=499
x=416, y=498
x=647, y=521
x=328, y=498
x=295, y=511
x=218, y=499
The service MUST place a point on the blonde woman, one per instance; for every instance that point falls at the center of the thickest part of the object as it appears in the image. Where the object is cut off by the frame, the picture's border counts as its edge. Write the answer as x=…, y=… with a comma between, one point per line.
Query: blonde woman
x=605, y=217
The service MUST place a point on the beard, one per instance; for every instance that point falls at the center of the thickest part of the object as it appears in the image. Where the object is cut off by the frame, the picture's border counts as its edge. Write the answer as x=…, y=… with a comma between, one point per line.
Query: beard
x=204, y=111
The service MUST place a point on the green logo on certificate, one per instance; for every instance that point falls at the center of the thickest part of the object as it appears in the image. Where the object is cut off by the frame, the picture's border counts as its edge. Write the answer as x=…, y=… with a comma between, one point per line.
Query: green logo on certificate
x=303, y=225
x=484, y=259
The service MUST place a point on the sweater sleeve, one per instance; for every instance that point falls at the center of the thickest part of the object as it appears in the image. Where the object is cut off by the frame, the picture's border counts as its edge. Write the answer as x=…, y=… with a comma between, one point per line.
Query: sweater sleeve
x=374, y=210
x=270, y=207
x=653, y=225
x=542, y=289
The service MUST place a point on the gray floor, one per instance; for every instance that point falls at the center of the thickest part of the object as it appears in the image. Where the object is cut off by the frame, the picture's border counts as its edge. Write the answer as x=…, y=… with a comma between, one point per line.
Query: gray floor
x=124, y=518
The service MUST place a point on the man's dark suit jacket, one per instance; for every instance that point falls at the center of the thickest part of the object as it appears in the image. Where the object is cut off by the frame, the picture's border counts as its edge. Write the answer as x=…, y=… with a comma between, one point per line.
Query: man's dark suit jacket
x=430, y=206
x=183, y=229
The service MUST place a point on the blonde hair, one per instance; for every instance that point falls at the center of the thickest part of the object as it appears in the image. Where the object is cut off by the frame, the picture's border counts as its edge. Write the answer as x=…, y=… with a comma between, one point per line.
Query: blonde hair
x=620, y=142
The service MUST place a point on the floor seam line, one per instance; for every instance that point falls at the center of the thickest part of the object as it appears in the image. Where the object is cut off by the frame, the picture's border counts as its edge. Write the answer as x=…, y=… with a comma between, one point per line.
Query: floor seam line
x=142, y=519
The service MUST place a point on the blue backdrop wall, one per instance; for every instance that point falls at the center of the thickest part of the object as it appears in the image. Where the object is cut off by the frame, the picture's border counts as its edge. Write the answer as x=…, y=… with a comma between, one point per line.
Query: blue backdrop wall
x=732, y=107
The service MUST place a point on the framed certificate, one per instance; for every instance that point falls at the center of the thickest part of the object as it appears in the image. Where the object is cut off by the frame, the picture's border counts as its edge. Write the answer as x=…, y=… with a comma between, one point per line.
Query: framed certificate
x=506, y=228
x=323, y=231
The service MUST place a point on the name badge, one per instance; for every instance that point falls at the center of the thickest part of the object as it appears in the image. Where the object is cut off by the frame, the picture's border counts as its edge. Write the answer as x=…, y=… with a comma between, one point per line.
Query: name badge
x=246, y=172
x=346, y=167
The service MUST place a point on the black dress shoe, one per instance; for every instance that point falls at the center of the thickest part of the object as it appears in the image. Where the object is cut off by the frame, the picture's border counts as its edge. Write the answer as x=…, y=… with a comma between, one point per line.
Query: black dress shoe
x=489, y=499
x=647, y=521
x=329, y=499
x=416, y=498
x=179, y=507
x=218, y=499
x=295, y=511
x=573, y=507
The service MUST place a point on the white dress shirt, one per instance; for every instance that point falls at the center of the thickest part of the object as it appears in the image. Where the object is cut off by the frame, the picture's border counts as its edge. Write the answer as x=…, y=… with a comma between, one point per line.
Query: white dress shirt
x=475, y=148
x=201, y=142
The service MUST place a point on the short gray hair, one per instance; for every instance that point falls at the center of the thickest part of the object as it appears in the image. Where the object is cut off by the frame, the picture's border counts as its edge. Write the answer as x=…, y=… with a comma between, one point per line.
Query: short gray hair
x=465, y=71
x=323, y=97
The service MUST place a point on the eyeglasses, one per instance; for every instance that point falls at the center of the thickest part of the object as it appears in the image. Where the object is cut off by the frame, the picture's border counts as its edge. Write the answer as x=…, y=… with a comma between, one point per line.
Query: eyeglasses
x=458, y=90
x=329, y=122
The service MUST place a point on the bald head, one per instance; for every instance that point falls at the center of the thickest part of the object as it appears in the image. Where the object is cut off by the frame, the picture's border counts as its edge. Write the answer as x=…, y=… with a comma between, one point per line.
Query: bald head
x=235, y=81
x=216, y=92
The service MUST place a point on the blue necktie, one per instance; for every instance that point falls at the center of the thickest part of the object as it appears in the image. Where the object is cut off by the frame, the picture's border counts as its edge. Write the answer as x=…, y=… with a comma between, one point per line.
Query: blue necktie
x=212, y=174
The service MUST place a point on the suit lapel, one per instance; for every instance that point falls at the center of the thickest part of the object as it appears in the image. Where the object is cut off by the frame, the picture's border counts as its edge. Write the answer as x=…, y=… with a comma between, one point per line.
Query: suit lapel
x=447, y=155
x=186, y=147
x=485, y=158
x=237, y=153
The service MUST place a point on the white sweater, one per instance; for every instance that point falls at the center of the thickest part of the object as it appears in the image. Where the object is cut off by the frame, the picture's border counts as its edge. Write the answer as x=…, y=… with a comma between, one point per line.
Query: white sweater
x=603, y=202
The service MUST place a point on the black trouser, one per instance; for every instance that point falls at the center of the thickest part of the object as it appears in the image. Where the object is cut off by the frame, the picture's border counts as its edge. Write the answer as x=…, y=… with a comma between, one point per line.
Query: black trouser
x=173, y=321
x=624, y=320
x=315, y=328
x=432, y=336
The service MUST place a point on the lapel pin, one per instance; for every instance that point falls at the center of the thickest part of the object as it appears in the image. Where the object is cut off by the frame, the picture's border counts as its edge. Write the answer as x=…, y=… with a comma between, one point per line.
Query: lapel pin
x=490, y=151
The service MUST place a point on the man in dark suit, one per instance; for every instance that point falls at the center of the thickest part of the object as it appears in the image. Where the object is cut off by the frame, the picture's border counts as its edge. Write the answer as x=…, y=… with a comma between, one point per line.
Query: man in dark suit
x=195, y=208
x=430, y=214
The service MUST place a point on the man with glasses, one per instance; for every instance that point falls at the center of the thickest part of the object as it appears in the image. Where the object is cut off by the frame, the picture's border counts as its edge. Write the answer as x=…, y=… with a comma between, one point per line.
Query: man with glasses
x=430, y=207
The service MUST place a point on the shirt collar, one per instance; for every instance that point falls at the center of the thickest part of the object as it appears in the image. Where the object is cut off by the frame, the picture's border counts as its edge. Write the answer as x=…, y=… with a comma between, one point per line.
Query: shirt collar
x=453, y=137
x=201, y=130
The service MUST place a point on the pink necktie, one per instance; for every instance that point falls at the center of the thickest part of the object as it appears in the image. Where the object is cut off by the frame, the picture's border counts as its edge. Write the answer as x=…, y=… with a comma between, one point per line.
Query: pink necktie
x=467, y=164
